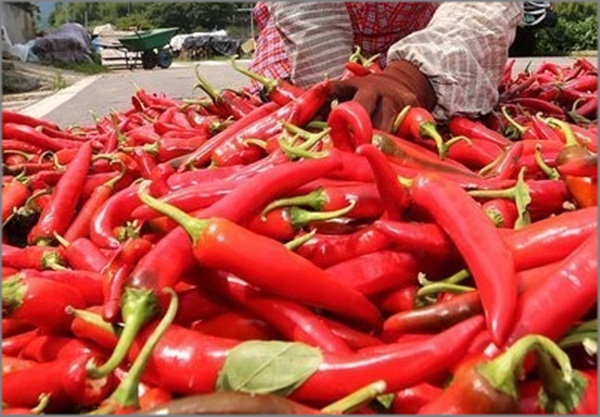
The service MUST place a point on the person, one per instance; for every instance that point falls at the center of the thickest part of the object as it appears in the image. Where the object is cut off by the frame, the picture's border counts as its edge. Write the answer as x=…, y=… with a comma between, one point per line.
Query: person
x=447, y=57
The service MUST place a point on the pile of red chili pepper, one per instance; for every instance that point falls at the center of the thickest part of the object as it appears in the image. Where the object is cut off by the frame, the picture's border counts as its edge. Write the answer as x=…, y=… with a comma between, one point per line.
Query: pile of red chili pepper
x=181, y=255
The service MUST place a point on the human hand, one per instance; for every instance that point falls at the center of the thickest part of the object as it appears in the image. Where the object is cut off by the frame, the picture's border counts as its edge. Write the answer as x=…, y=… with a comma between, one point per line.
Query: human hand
x=385, y=94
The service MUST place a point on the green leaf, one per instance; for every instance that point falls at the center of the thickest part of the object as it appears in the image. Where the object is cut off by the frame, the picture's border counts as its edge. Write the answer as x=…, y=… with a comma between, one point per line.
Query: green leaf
x=265, y=367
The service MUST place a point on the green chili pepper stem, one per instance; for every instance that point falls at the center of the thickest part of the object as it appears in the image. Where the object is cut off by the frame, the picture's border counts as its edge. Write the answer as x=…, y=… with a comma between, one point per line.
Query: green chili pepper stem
x=192, y=225
x=550, y=172
x=52, y=260
x=429, y=130
x=94, y=319
x=138, y=307
x=43, y=399
x=126, y=393
x=296, y=152
x=300, y=240
x=520, y=129
x=268, y=83
x=357, y=399
x=13, y=291
x=439, y=287
x=314, y=199
x=501, y=371
x=399, y=119
x=570, y=139
x=300, y=217
x=495, y=216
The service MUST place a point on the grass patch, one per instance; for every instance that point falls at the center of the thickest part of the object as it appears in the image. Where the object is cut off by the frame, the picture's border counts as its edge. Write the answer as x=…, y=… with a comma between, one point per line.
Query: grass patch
x=83, y=67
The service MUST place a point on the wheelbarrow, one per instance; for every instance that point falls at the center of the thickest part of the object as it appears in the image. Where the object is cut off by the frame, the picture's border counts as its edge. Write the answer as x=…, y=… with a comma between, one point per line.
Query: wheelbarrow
x=152, y=46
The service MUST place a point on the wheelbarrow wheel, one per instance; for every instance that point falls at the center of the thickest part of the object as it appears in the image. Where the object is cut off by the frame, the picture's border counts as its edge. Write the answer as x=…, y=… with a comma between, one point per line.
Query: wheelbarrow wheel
x=165, y=58
x=149, y=59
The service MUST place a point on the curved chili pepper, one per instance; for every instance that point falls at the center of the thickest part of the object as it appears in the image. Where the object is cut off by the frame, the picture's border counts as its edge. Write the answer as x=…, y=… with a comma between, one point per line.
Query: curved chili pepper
x=489, y=386
x=277, y=90
x=48, y=348
x=477, y=240
x=34, y=137
x=17, y=145
x=235, y=150
x=394, y=196
x=291, y=319
x=474, y=155
x=378, y=271
x=350, y=126
x=203, y=154
x=575, y=280
x=218, y=233
x=584, y=190
x=9, y=116
x=505, y=166
x=40, y=301
x=89, y=325
x=354, y=338
x=418, y=123
x=36, y=257
x=111, y=214
x=462, y=126
x=327, y=250
x=83, y=254
x=239, y=325
x=502, y=212
x=13, y=345
x=550, y=239
x=88, y=284
x=14, y=195
x=56, y=217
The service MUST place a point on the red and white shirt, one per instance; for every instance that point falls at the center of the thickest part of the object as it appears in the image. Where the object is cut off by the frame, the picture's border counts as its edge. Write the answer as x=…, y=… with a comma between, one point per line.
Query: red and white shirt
x=462, y=47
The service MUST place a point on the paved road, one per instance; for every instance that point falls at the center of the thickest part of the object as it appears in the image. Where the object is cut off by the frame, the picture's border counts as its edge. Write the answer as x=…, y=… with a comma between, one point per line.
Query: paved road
x=114, y=90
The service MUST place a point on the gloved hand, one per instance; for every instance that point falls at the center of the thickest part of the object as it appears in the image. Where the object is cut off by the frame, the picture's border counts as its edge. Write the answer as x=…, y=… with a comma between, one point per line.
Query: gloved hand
x=383, y=95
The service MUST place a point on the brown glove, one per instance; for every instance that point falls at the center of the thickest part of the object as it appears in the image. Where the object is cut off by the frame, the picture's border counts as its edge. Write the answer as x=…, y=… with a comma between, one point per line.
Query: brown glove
x=383, y=95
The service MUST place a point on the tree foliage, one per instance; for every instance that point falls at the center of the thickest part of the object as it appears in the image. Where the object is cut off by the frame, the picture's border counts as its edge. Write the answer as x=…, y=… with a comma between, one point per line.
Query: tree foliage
x=188, y=16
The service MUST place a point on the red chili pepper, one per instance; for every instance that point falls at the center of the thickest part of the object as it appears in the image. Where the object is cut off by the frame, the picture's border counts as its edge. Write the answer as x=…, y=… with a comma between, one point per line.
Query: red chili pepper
x=48, y=348
x=40, y=301
x=299, y=273
x=410, y=400
x=56, y=217
x=536, y=104
x=462, y=126
x=239, y=325
x=64, y=380
x=402, y=299
x=235, y=150
x=477, y=240
x=34, y=137
x=13, y=345
x=82, y=254
x=114, y=212
x=502, y=212
x=327, y=250
x=11, y=327
x=350, y=126
x=152, y=397
x=474, y=155
x=505, y=166
x=9, y=116
x=419, y=238
x=37, y=257
x=488, y=386
x=277, y=90
x=89, y=325
x=574, y=282
x=12, y=364
x=378, y=271
x=197, y=304
x=17, y=145
x=583, y=190
x=203, y=154
x=417, y=123
x=354, y=338
x=291, y=319
x=550, y=239
x=14, y=195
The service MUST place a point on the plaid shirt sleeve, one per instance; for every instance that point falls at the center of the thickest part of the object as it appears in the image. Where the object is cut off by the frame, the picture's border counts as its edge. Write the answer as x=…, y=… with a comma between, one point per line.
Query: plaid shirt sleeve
x=317, y=38
x=463, y=51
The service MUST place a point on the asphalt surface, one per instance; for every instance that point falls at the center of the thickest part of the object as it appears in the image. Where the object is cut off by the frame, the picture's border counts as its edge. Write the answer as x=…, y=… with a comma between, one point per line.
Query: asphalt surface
x=114, y=90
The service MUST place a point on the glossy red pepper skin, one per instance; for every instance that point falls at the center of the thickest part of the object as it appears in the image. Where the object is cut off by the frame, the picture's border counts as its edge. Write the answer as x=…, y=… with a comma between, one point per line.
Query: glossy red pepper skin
x=236, y=151
x=239, y=325
x=12, y=327
x=356, y=339
x=11, y=364
x=9, y=116
x=327, y=250
x=477, y=240
x=203, y=154
x=114, y=212
x=550, y=239
x=42, y=302
x=506, y=166
x=57, y=216
x=402, y=299
x=88, y=284
x=502, y=212
x=584, y=190
x=48, y=348
x=575, y=282
x=350, y=126
x=198, y=304
x=462, y=126
x=34, y=137
x=36, y=257
x=83, y=254
x=410, y=400
x=291, y=319
x=13, y=345
x=14, y=195
x=378, y=271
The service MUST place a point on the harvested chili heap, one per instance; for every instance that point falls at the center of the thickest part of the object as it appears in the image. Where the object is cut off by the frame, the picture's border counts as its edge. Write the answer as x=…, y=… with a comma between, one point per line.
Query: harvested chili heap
x=274, y=253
